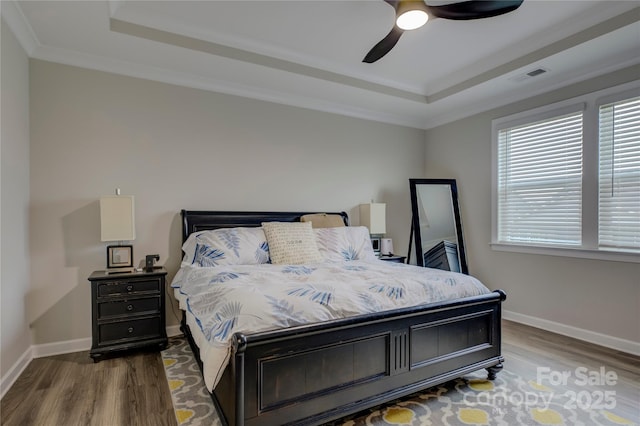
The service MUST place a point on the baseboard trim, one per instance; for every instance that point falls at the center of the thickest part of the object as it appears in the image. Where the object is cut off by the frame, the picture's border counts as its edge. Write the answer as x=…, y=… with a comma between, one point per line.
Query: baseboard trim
x=623, y=345
x=59, y=348
x=173, y=330
x=79, y=345
x=15, y=371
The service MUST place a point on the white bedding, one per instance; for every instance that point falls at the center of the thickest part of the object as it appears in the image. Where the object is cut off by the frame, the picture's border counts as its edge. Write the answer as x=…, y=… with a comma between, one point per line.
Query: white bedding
x=226, y=299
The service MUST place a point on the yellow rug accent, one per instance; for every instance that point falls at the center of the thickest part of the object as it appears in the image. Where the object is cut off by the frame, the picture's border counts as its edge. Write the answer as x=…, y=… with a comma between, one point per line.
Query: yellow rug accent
x=547, y=417
x=537, y=386
x=480, y=385
x=617, y=419
x=175, y=384
x=398, y=416
x=184, y=416
x=169, y=362
x=473, y=416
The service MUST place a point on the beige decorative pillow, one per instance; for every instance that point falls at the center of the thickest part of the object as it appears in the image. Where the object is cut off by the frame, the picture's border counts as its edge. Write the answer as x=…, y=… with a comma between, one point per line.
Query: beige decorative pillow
x=323, y=220
x=291, y=243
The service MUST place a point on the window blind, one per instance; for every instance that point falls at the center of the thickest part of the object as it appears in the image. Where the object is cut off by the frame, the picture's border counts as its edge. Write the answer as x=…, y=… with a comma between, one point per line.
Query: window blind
x=619, y=175
x=540, y=182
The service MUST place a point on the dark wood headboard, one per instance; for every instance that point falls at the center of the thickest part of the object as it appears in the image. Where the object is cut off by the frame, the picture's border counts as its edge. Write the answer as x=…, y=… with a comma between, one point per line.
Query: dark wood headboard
x=196, y=220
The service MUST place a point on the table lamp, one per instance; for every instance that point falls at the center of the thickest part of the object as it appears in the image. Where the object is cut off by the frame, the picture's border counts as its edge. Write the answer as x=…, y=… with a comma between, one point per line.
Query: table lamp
x=117, y=223
x=372, y=216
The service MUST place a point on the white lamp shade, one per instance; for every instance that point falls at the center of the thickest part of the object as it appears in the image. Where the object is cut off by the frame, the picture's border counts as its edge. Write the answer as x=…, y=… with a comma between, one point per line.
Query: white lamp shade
x=386, y=246
x=117, y=218
x=372, y=216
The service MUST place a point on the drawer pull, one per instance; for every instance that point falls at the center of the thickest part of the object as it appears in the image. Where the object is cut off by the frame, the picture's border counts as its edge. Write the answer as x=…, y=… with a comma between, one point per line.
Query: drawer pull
x=129, y=307
x=129, y=287
x=130, y=330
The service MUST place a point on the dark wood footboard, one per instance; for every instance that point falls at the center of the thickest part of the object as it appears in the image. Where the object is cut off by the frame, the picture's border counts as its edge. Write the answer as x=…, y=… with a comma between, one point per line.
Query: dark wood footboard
x=322, y=372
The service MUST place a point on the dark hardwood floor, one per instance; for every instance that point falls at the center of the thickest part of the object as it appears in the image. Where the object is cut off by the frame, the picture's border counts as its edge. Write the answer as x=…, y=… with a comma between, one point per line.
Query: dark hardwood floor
x=132, y=390
x=590, y=370
x=72, y=390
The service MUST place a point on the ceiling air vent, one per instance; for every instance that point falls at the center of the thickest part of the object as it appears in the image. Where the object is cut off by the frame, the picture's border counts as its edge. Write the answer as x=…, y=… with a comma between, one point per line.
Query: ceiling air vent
x=533, y=73
x=536, y=72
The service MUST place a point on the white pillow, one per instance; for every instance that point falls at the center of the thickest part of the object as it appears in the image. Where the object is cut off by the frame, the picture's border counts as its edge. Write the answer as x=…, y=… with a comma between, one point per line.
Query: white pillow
x=345, y=243
x=226, y=246
x=291, y=243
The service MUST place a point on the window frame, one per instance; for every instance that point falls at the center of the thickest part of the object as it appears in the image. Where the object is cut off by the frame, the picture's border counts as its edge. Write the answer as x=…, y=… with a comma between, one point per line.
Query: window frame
x=589, y=104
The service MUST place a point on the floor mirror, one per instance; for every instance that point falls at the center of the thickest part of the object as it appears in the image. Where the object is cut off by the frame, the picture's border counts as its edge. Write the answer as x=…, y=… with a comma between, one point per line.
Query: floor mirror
x=436, y=225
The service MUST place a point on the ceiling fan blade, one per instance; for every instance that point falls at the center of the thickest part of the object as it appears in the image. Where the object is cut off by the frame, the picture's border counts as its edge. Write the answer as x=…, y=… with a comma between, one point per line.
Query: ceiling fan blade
x=383, y=46
x=393, y=3
x=463, y=10
x=474, y=9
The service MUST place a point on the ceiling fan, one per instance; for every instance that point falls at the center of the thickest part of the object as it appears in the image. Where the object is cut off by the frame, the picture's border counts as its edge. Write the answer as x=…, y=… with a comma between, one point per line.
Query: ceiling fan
x=412, y=14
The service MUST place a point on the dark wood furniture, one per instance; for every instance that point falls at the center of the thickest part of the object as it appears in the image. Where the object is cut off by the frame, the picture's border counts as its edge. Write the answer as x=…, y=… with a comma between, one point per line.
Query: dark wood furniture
x=316, y=373
x=394, y=258
x=127, y=311
x=443, y=255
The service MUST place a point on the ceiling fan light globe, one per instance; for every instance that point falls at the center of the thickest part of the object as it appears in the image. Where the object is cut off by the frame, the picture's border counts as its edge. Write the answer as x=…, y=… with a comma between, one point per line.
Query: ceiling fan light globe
x=412, y=19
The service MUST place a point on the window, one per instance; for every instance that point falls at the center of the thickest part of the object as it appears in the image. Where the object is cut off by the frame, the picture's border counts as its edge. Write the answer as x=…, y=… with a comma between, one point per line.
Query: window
x=619, y=201
x=540, y=181
x=567, y=177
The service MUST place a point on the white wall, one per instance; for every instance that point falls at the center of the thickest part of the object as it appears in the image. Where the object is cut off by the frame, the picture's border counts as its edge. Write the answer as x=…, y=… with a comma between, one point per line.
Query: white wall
x=173, y=148
x=566, y=294
x=14, y=178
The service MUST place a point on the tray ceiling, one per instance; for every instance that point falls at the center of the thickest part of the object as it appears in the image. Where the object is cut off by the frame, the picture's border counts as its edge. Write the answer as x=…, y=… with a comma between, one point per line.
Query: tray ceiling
x=308, y=53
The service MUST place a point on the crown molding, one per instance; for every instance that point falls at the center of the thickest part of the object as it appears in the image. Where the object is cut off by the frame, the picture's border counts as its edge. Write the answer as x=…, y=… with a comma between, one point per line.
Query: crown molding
x=216, y=49
x=497, y=102
x=162, y=75
x=146, y=72
x=610, y=25
x=421, y=115
x=17, y=22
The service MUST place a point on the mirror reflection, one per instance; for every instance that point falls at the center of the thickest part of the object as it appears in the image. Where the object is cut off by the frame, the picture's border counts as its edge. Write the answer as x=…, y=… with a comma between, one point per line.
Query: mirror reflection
x=436, y=224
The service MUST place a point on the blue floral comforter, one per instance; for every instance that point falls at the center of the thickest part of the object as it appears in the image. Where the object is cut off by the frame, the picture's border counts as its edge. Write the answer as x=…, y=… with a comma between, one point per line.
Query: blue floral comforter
x=226, y=299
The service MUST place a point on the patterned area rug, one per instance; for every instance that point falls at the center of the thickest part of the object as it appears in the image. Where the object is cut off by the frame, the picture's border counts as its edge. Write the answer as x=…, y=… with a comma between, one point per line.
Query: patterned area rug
x=191, y=401
x=471, y=400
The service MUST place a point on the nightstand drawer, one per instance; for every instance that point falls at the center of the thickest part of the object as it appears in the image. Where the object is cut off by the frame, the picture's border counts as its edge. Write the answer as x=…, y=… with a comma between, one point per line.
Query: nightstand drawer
x=135, y=329
x=129, y=307
x=115, y=288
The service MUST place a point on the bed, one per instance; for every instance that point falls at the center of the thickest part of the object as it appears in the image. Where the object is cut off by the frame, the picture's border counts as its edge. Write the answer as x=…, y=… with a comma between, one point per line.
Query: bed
x=318, y=372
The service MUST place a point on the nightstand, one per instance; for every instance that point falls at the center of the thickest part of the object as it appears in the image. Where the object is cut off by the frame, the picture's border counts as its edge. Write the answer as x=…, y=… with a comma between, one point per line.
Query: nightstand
x=393, y=258
x=127, y=311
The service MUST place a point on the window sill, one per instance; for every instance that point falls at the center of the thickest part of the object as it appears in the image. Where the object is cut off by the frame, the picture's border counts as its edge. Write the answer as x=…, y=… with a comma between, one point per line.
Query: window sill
x=616, y=256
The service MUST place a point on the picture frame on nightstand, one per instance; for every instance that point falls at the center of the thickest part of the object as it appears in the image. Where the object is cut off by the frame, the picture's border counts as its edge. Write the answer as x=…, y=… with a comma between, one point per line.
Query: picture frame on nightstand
x=119, y=256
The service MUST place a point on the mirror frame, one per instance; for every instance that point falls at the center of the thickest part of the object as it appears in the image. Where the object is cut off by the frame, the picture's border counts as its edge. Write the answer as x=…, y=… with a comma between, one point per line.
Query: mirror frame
x=415, y=219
